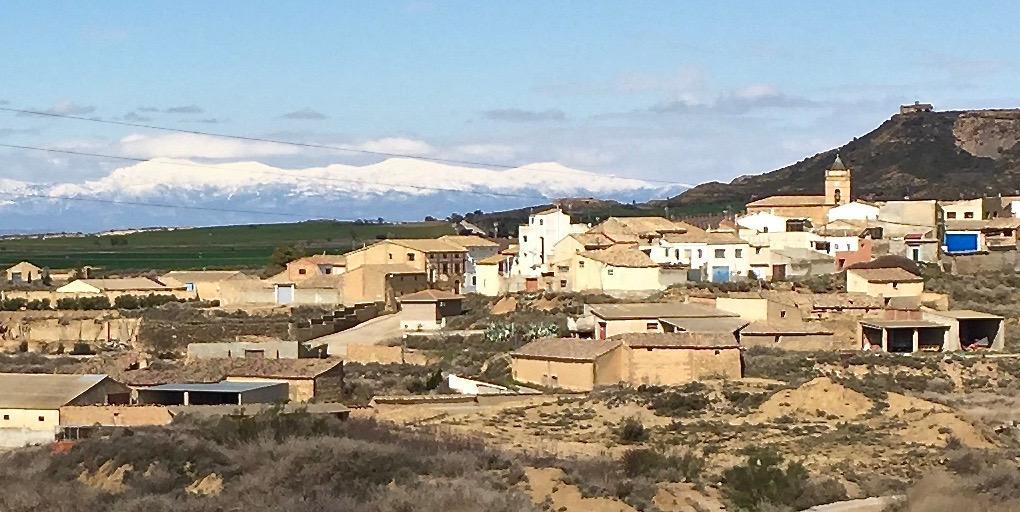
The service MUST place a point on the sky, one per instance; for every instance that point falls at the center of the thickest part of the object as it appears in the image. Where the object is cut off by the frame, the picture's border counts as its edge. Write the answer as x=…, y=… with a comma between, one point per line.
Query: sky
x=681, y=91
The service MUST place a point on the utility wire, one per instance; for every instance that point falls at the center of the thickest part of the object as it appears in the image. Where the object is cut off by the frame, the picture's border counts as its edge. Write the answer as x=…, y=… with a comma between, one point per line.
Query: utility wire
x=312, y=145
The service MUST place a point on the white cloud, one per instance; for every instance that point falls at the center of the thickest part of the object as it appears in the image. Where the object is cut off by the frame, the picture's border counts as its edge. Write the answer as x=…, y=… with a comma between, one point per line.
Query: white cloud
x=186, y=145
x=396, y=145
x=493, y=152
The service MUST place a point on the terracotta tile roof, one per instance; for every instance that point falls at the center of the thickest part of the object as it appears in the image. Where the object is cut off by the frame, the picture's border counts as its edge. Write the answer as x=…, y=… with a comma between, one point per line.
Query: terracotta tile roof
x=427, y=244
x=678, y=340
x=429, y=296
x=638, y=226
x=619, y=256
x=886, y=275
x=495, y=259
x=656, y=310
x=788, y=201
x=571, y=349
x=469, y=241
x=593, y=240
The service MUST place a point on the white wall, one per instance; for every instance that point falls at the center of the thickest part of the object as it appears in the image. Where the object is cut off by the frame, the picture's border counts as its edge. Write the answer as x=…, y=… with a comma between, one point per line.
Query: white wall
x=853, y=211
x=537, y=238
x=763, y=222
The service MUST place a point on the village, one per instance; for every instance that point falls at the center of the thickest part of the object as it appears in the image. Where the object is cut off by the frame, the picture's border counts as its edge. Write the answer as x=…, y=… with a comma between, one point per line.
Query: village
x=792, y=312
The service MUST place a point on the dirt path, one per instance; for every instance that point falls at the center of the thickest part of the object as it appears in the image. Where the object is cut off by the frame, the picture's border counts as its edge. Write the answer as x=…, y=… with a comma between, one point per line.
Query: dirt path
x=863, y=505
x=372, y=332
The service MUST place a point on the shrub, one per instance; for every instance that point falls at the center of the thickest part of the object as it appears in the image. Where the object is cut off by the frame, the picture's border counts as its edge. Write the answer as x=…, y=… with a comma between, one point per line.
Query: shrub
x=631, y=431
x=681, y=401
x=84, y=303
x=762, y=478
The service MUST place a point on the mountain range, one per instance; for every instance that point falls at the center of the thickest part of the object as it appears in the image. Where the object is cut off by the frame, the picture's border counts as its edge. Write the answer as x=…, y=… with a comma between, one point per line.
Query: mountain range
x=922, y=155
x=397, y=189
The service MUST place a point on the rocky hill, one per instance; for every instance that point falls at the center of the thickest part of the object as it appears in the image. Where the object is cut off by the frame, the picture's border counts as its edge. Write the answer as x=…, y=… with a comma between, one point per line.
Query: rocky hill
x=928, y=155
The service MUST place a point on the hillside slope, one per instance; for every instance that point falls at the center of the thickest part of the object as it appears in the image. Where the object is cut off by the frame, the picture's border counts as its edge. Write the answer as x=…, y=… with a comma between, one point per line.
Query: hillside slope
x=947, y=155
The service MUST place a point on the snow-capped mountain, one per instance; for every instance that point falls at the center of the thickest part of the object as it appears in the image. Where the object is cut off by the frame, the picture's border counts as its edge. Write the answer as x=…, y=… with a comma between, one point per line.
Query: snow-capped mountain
x=395, y=189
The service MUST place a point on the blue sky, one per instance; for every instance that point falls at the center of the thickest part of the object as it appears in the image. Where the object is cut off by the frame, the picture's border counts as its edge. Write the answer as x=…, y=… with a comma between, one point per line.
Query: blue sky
x=684, y=91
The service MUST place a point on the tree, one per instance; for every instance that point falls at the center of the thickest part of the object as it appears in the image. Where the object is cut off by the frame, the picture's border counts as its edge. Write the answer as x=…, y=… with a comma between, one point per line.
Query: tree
x=46, y=279
x=763, y=479
x=285, y=254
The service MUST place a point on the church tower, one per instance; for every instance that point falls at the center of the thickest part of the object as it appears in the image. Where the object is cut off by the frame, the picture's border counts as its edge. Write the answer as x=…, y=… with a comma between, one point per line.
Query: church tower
x=837, y=183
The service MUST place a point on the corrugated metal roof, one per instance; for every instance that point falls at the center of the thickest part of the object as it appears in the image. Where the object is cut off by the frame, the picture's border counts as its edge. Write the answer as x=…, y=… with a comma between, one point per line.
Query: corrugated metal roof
x=215, y=387
x=43, y=391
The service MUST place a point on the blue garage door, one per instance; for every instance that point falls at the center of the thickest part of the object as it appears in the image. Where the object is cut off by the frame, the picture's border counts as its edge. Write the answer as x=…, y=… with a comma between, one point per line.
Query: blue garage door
x=720, y=274
x=961, y=242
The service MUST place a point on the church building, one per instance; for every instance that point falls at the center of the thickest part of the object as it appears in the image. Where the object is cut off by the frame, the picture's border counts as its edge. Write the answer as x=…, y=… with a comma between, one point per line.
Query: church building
x=812, y=207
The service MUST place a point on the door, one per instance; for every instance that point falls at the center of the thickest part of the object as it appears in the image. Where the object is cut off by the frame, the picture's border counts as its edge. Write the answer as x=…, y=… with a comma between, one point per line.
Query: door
x=720, y=274
x=602, y=331
x=779, y=272
x=531, y=284
x=284, y=293
x=961, y=242
x=915, y=254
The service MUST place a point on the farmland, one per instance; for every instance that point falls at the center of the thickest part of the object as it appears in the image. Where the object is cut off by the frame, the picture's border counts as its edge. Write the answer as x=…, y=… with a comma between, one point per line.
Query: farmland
x=244, y=246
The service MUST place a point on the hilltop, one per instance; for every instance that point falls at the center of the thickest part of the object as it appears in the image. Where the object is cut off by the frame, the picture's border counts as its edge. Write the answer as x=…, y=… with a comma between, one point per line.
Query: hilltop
x=926, y=155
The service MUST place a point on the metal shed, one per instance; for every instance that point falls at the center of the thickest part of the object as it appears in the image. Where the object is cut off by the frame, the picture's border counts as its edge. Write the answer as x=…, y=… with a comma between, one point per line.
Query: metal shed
x=217, y=393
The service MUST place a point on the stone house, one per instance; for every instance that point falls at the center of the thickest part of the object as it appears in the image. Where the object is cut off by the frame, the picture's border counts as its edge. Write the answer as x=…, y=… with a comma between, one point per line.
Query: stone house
x=204, y=283
x=477, y=248
x=23, y=273
x=884, y=282
x=428, y=310
x=568, y=363
x=314, y=266
x=616, y=270
x=30, y=403
x=444, y=262
x=614, y=319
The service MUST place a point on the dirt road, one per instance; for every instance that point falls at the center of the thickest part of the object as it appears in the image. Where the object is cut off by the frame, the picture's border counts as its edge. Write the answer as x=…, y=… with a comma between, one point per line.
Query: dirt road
x=372, y=332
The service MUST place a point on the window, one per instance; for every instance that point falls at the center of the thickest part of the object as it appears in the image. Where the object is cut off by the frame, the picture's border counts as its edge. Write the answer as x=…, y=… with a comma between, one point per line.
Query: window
x=302, y=271
x=541, y=222
x=757, y=250
x=609, y=271
x=701, y=253
x=42, y=418
x=410, y=256
x=738, y=253
x=524, y=238
x=782, y=314
x=765, y=229
x=950, y=215
x=968, y=215
x=7, y=417
x=563, y=283
x=327, y=270
x=652, y=326
x=677, y=254
x=445, y=256
x=474, y=280
x=389, y=256
x=895, y=285
x=580, y=264
x=720, y=253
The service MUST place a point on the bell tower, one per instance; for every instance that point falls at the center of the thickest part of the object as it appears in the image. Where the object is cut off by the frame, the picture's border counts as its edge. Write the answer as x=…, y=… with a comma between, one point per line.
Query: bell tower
x=837, y=183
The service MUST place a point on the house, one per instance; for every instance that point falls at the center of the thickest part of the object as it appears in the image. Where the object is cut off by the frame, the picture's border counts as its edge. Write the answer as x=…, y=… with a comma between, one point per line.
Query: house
x=672, y=359
x=382, y=283
x=787, y=335
x=794, y=262
x=443, y=262
x=618, y=269
x=855, y=210
x=30, y=403
x=319, y=380
x=568, y=363
x=981, y=208
x=428, y=309
x=23, y=273
x=315, y=265
x=477, y=248
x=204, y=283
x=214, y=393
x=536, y=241
x=493, y=274
x=613, y=319
x=916, y=108
x=755, y=308
x=969, y=236
x=883, y=282
x=716, y=256
x=814, y=207
x=579, y=242
x=115, y=287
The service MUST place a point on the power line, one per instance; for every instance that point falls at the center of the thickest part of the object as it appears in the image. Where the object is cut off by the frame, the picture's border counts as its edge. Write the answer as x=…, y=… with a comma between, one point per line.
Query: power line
x=312, y=145
x=163, y=205
x=271, y=173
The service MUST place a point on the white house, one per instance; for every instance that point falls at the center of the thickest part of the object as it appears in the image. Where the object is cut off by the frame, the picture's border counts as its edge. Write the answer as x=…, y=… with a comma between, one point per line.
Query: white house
x=856, y=210
x=478, y=249
x=537, y=238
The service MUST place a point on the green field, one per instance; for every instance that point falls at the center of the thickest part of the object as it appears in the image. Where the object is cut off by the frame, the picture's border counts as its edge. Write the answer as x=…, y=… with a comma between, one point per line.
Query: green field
x=246, y=246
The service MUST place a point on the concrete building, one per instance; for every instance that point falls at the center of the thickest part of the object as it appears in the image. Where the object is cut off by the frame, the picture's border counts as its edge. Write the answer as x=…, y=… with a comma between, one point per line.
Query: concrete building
x=677, y=358
x=934, y=331
x=204, y=283
x=787, y=335
x=568, y=363
x=217, y=393
x=443, y=262
x=23, y=273
x=247, y=350
x=536, y=241
x=494, y=274
x=30, y=403
x=428, y=310
x=614, y=319
x=477, y=248
x=316, y=265
x=382, y=283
